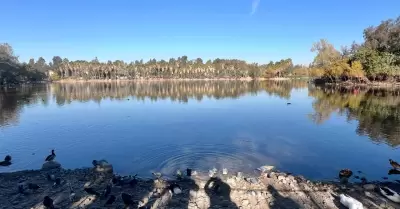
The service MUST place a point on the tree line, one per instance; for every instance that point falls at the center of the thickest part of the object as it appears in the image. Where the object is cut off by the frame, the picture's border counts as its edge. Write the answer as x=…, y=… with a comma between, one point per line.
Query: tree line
x=376, y=59
x=13, y=72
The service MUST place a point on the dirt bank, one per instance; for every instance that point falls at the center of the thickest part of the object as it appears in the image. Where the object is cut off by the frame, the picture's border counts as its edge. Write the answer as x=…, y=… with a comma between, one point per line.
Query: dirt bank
x=274, y=190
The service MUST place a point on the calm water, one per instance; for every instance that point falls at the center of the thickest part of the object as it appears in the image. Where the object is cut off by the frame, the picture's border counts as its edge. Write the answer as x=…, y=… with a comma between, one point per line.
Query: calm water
x=163, y=126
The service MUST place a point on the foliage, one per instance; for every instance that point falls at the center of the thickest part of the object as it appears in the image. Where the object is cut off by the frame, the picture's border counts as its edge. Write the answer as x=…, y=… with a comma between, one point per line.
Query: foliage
x=378, y=58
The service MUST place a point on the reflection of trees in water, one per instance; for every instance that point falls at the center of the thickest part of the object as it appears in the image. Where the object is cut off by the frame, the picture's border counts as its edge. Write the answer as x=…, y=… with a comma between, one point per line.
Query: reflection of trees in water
x=12, y=100
x=376, y=110
x=175, y=90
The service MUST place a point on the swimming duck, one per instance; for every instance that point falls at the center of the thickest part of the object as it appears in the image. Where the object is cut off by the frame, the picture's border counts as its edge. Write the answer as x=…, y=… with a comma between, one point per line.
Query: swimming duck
x=48, y=202
x=6, y=162
x=51, y=157
x=347, y=173
x=110, y=200
x=175, y=188
x=127, y=199
x=394, y=164
x=350, y=202
x=390, y=194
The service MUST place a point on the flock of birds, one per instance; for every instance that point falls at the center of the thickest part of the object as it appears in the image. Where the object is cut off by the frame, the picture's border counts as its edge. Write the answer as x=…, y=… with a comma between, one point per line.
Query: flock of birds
x=174, y=188
x=127, y=199
x=352, y=203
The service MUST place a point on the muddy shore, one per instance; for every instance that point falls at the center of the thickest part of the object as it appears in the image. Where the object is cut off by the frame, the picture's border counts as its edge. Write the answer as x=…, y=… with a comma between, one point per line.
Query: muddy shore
x=268, y=190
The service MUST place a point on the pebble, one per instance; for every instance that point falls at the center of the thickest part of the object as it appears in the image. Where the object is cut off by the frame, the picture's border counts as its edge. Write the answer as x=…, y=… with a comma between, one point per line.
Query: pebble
x=369, y=187
x=245, y=202
x=281, y=178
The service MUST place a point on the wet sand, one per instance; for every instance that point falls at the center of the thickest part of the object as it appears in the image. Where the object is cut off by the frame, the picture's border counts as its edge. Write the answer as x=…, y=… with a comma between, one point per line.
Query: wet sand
x=272, y=190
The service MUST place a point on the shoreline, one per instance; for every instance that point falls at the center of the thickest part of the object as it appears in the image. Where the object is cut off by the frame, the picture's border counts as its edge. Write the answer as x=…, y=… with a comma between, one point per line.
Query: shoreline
x=268, y=190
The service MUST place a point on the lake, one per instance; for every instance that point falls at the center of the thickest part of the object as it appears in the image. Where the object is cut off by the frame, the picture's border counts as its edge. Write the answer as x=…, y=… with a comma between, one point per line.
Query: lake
x=148, y=126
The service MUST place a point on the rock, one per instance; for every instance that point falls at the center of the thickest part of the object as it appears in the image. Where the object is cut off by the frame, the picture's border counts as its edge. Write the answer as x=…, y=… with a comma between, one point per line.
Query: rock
x=271, y=174
x=231, y=182
x=51, y=165
x=369, y=187
x=281, y=178
x=245, y=202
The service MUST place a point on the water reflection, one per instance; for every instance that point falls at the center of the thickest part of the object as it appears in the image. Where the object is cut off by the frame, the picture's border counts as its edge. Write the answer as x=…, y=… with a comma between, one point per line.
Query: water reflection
x=14, y=99
x=377, y=110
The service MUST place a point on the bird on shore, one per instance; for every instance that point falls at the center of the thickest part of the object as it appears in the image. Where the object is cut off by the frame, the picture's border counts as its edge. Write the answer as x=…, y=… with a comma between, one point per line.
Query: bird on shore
x=350, y=202
x=390, y=194
x=110, y=200
x=48, y=202
x=127, y=199
x=188, y=172
x=393, y=172
x=179, y=175
x=394, y=164
x=6, y=161
x=51, y=157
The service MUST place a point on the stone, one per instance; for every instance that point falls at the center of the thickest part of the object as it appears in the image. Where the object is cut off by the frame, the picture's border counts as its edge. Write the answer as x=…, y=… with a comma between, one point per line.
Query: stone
x=245, y=202
x=231, y=182
x=51, y=165
x=281, y=178
x=369, y=187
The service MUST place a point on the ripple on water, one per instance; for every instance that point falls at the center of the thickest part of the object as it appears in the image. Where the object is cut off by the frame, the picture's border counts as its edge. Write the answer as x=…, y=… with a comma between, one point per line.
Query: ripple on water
x=168, y=158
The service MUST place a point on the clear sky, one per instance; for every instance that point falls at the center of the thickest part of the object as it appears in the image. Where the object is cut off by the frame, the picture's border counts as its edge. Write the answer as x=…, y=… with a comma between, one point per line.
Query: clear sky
x=253, y=30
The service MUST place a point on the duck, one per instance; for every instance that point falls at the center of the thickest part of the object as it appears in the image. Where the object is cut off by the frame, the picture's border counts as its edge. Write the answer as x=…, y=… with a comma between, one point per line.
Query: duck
x=346, y=173
x=48, y=202
x=390, y=194
x=127, y=199
x=175, y=188
x=393, y=172
x=110, y=200
x=188, y=172
x=51, y=157
x=394, y=164
x=6, y=161
x=350, y=202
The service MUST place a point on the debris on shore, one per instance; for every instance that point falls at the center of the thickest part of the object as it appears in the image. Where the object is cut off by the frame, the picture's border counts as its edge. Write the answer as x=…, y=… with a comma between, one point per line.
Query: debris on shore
x=87, y=188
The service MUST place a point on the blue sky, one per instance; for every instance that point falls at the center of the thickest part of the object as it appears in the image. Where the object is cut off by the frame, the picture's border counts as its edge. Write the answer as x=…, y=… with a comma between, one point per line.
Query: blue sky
x=253, y=30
